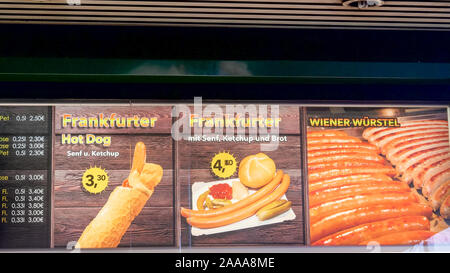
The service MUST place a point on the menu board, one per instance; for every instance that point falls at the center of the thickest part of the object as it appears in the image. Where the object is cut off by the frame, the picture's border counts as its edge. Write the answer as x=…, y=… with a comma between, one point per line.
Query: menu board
x=223, y=175
x=25, y=176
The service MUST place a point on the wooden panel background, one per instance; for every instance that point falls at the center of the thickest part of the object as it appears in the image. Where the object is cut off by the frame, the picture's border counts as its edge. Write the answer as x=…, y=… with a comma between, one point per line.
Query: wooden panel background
x=74, y=208
x=194, y=161
x=289, y=119
x=160, y=223
x=163, y=113
x=400, y=14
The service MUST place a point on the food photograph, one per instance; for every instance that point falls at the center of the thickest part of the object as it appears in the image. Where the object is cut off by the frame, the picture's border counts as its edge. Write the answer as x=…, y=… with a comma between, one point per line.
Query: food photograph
x=381, y=178
x=234, y=193
x=113, y=177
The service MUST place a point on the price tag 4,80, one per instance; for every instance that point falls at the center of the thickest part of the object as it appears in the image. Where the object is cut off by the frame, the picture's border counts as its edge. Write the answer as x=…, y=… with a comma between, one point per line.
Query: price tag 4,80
x=223, y=165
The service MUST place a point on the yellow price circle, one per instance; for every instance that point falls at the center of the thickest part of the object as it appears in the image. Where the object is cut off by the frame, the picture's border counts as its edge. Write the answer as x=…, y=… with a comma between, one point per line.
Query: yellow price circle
x=95, y=180
x=223, y=165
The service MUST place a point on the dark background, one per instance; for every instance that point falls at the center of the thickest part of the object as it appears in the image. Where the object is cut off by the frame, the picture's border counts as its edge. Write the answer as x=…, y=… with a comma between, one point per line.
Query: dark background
x=53, y=41
x=224, y=43
x=420, y=93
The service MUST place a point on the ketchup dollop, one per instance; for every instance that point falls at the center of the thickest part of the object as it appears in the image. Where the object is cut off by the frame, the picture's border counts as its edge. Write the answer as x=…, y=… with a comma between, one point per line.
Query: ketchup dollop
x=221, y=191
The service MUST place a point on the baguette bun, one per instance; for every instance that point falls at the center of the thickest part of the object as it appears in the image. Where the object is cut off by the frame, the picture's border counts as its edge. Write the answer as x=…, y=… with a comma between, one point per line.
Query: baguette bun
x=257, y=170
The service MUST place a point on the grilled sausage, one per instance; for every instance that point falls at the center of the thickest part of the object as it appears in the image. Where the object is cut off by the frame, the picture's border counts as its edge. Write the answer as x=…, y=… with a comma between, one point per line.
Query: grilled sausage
x=381, y=142
x=402, y=238
x=345, y=156
x=383, y=134
x=326, y=133
x=369, y=231
x=331, y=152
x=314, y=176
x=399, y=141
x=401, y=148
x=445, y=208
x=432, y=183
x=339, y=164
x=439, y=195
x=340, y=181
x=429, y=171
x=419, y=156
x=318, y=197
x=350, y=145
x=412, y=150
x=373, y=130
x=333, y=139
x=331, y=207
x=413, y=171
x=349, y=218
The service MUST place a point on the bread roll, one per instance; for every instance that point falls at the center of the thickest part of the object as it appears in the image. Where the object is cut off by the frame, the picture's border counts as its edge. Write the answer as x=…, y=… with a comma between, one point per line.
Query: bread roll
x=257, y=170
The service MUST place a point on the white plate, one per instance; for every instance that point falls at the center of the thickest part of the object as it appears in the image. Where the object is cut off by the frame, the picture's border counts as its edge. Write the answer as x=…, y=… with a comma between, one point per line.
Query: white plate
x=253, y=221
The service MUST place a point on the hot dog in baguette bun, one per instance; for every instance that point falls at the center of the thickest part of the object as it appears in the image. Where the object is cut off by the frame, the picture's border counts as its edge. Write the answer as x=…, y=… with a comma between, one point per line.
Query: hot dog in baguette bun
x=123, y=205
x=257, y=170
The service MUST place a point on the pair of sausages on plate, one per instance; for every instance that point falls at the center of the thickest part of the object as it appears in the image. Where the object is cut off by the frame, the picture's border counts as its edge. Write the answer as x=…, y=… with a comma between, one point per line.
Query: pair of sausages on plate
x=255, y=171
x=242, y=209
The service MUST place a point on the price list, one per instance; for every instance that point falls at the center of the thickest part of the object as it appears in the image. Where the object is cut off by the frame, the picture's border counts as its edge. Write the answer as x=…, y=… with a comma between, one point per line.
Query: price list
x=25, y=176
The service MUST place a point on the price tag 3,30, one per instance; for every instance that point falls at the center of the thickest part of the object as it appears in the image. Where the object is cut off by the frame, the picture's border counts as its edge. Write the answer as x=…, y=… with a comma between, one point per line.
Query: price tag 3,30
x=95, y=180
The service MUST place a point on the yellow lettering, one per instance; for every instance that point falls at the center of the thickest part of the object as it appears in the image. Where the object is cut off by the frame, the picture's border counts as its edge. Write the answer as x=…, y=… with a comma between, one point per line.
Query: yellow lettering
x=314, y=122
x=153, y=121
x=66, y=119
x=65, y=139
x=144, y=122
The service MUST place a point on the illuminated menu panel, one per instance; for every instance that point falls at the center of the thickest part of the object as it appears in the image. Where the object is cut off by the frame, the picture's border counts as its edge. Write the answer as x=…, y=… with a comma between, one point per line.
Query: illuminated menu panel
x=25, y=176
x=137, y=176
